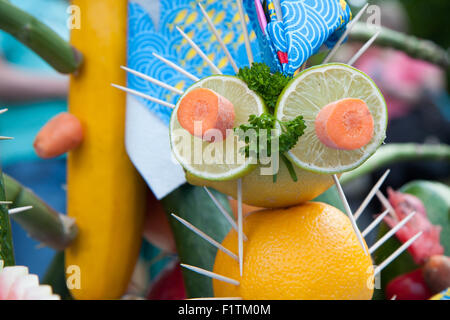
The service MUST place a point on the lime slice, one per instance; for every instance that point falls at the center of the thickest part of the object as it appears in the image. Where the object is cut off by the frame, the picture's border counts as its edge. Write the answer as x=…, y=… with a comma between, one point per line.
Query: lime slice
x=219, y=160
x=312, y=90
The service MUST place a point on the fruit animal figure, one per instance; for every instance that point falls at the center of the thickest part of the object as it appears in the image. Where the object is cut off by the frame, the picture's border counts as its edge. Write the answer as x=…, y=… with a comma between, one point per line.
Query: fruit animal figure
x=303, y=252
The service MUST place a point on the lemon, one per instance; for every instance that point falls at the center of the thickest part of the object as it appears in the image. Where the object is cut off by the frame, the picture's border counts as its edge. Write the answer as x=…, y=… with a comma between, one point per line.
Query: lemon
x=313, y=89
x=308, y=252
x=260, y=190
x=219, y=160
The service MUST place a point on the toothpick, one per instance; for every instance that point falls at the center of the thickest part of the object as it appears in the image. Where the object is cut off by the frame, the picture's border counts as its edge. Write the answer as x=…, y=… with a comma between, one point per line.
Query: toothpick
x=345, y=34
x=349, y=212
x=21, y=209
x=176, y=67
x=210, y=274
x=397, y=252
x=248, y=46
x=223, y=211
x=145, y=96
x=374, y=223
x=6, y=138
x=205, y=237
x=3, y=110
x=153, y=80
x=219, y=38
x=387, y=204
x=199, y=51
x=241, y=227
x=370, y=195
x=394, y=297
x=363, y=49
x=391, y=232
x=5, y=202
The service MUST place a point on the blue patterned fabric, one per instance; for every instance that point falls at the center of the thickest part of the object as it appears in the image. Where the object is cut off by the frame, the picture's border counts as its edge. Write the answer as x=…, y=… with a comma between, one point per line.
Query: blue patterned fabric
x=153, y=30
x=304, y=27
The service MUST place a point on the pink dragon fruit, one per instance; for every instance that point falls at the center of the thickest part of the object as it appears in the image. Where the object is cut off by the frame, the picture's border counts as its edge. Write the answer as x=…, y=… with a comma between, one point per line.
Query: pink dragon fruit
x=429, y=243
x=17, y=284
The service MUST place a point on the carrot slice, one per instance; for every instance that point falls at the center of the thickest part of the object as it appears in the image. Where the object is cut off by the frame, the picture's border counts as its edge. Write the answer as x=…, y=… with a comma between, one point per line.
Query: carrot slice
x=206, y=108
x=345, y=124
x=60, y=135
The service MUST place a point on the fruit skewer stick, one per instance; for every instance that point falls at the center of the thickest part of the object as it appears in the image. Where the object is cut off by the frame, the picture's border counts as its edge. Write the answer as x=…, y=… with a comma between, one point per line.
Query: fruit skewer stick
x=3, y=111
x=248, y=46
x=374, y=223
x=6, y=138
x=205, y=237
x=363, y=49
x=143, y=95
x=19, y=210
x=199, y=51
x=391, y=232
x=371, y=194
x=100, y=173
x=345, y=34
x=211, y=274
x=223, y=211
x=240, y=226
x=219, y=38
x=396, y=253
x=176, y=67
x=153, y=80
x=349, y=212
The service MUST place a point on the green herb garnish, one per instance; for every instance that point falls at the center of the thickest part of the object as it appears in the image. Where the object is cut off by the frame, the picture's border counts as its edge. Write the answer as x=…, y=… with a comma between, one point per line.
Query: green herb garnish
x=264, y=83
x=262, y=126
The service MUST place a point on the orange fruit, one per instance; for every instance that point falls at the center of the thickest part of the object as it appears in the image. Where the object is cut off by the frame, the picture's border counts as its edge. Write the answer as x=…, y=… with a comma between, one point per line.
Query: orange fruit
x=305, y=252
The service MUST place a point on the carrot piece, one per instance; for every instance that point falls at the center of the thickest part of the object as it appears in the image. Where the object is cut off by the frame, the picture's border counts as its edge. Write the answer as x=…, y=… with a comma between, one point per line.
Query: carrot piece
x=346, y=124
x=206, y=108
x=60, y=135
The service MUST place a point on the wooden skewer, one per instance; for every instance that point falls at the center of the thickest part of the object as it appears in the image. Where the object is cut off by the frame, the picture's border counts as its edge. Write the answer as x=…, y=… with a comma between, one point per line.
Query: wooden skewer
x=199, y=51
x=21, y=209
x=345, y=34
x=391, y=232
x=5, y=202
x=3, y=110
x=176, y=67
x=6, y=138
x=241, y=227
x=363, y=49
x=387, y=204
x=153, y=80
x=394, y=297
x=374, y=223
x=210, y=274
x=145, y=96
x=248, y=46
x=397, y=252
x=223, y=211
x=349, y=212
x=370, y=195
x=204, y=236
x=219, y=38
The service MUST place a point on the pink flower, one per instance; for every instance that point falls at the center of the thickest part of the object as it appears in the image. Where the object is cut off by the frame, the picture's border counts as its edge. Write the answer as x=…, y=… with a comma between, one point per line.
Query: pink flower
x=17, y=284
x=429, y=243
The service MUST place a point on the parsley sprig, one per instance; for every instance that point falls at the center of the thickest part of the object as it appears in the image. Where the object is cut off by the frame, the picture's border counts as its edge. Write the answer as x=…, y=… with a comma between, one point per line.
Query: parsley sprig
x=290, y=132
x=267, y=85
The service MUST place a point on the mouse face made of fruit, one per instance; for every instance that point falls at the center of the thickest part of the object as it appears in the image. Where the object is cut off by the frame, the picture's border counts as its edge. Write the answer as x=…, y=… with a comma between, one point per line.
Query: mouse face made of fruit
x=327, y=120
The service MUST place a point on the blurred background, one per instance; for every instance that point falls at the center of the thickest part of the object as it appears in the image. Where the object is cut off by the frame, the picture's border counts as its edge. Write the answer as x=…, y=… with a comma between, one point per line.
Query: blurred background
x=417, y=95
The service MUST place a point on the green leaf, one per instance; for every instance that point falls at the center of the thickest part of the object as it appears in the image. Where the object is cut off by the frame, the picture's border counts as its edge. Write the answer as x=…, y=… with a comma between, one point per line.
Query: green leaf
x=6, y=244
x=436, y=199
x=194, y=205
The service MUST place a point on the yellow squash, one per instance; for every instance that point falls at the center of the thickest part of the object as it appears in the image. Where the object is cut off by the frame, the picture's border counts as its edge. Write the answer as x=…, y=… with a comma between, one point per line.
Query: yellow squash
x=105, y=193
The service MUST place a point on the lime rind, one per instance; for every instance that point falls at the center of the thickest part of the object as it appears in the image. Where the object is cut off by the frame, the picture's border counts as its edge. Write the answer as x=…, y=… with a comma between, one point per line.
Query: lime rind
x=322, y=96
x=246, y=102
